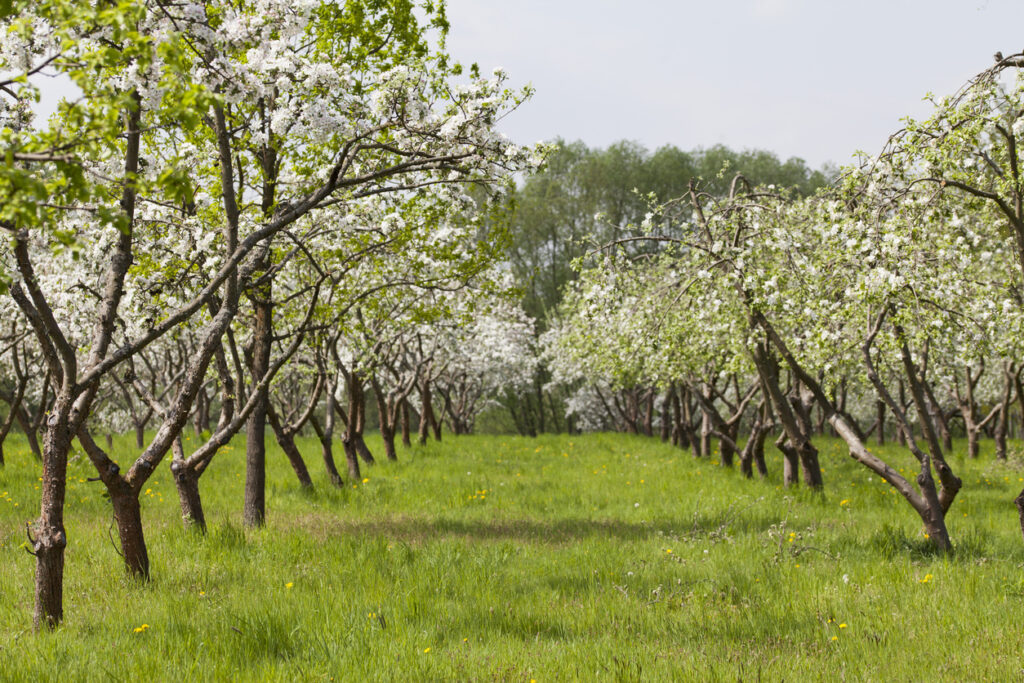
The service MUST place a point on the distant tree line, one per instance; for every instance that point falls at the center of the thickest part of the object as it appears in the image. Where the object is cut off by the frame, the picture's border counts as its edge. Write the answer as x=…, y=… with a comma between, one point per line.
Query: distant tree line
x=585, y=197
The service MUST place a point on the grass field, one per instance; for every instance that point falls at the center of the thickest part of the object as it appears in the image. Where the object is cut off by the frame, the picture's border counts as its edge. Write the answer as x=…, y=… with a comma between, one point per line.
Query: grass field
x=598, y=557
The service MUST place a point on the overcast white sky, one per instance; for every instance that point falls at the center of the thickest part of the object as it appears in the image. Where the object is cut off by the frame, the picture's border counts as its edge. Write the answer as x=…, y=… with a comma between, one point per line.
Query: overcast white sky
x=817, y=79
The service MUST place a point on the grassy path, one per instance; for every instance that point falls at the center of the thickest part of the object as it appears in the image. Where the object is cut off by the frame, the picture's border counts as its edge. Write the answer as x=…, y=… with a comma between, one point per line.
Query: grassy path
x=599, y=557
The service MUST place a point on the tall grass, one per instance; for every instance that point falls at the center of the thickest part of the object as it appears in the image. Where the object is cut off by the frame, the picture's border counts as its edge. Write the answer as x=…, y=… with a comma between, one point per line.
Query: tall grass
x=599, y=557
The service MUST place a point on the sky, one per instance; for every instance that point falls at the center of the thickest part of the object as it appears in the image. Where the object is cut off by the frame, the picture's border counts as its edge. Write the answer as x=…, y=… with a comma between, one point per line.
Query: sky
x=815, y=79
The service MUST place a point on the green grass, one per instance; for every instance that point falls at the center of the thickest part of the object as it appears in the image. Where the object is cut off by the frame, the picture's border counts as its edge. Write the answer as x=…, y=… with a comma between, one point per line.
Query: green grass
x=600, y=557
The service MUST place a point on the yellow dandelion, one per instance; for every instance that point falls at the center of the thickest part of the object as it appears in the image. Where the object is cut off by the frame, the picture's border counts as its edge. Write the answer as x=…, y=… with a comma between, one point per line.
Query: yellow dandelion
x=835, y=637
x=289, y=584
x=366, y=481
x=426, y=650
x=842, y=625
x=141, y=629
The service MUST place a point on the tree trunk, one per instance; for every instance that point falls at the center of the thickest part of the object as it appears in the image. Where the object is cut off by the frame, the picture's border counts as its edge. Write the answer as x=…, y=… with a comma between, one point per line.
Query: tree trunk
x=50, y=538
x=1019, y=500
x=880, y=409
x=666, y=427
x=649, y=414
x=386, y=415
x=938, y=418
x=352, y=458
x=361, y=449
x=705, y=435
x=140, y=436
x=757, y=432
x=759, y=463
x=202, y=416
x=790, y=462
x=1003, y=418
x=406, y=436
x=286, y=440
x=795, y=442
x=424, y=409
x=326, y=436
x=540, y=411
x=725, y=453
x=811, y=466
x=128, y=518
x=187, y=482
x=357, y=417
x=435, y=424
x=255, y=511
x=30, y=432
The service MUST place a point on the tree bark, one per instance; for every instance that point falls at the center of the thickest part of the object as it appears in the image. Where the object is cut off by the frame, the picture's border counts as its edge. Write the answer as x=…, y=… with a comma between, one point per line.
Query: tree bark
x=357, y=417
x=128, y=518
x=187, y=483
x=50, y=538
x=406, y=436
x=425, y=410
x=286, y=440
x=880, y=410
x=386, y=414
x=1003, y=420
x=255, y=511
x=666, y=426
x=799, y=449
x=326, y=436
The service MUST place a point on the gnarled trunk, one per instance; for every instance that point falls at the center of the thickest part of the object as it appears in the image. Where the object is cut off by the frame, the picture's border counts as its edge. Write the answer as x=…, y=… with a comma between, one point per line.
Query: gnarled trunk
x=128, y=518
x=286, y=440
x=187, y=482
x=50, y=538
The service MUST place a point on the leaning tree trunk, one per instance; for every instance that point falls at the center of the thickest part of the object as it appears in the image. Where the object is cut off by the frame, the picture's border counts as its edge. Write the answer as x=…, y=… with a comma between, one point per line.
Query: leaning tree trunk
x=33, y=438
x=755, y=440
x=186, y=480
x=795, y=442
x=326, y=437
x=352, y=458
x=286, y=439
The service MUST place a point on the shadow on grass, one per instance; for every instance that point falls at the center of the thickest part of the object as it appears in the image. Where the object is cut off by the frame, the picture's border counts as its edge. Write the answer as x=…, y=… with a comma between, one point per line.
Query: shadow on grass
x=893, y=541
x=556, y=532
